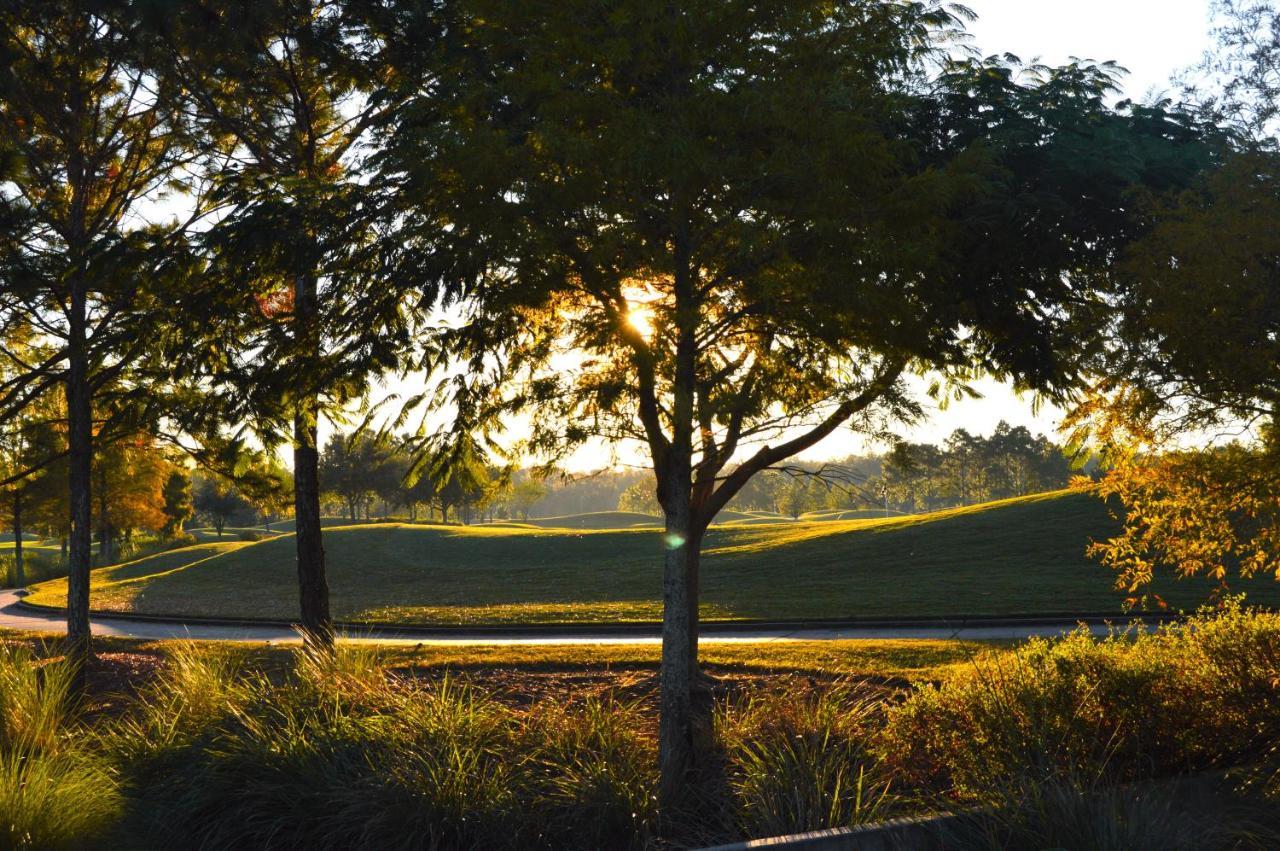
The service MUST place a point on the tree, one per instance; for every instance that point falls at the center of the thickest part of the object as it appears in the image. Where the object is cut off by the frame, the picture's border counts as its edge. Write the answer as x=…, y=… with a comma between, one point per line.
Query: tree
x=272, y=491
x=89, y=133
x=1195, y=342
x=349, y=469
x=178, y=508
x=129, y=479
x=218, y=500
x=25, y=445
x=750, y=221
x=639, y=498
x=284, y=92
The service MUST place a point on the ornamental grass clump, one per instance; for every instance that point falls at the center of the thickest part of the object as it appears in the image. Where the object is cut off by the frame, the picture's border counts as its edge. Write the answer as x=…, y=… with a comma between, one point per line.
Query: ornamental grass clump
x=53, y=792
x=588, y=774
x=803, y=762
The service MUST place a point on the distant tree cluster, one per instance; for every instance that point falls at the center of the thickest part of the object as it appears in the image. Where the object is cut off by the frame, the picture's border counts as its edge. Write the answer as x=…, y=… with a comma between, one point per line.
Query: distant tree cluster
x=364, y=474
x=969, y=468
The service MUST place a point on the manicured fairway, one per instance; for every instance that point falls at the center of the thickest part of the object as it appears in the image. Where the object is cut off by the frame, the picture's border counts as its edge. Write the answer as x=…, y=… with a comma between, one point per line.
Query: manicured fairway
x=1023, y=556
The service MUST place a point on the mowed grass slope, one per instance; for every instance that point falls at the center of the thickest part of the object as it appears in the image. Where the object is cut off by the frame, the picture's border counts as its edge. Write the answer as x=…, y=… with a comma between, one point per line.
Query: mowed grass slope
x=1022, y=556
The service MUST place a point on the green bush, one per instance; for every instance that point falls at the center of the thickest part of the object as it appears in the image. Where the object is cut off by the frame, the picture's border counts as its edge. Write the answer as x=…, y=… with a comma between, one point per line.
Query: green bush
x=1058, y=738
x=52, y=800
x=1183, y=698
x=590, y=775
x=1168, y=816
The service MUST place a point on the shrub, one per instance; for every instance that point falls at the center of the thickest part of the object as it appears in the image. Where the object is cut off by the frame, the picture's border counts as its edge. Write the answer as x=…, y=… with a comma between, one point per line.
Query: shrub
x=1159, y=817
x=36, y=567
x=803, y=762
x=1123, y=708
x=35, y=705
x=589, y=775
x=332, y=758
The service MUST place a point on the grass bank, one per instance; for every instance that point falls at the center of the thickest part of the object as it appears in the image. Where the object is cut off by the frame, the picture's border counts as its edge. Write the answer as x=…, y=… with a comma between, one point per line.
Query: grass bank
x=1012, y=557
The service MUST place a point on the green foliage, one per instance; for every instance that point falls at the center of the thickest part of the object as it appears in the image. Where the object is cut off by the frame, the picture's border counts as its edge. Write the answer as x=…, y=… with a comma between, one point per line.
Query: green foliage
x=177, y=502
x=53, y=794
x=1183, y=698
x=52, y=801
x=772, y=211
x=970, y=468
x=1065, y=814
x=218, y=500
x=806, y=763
x=639, y=498
x=36, y=567
x=299, y=309
x=377, y=747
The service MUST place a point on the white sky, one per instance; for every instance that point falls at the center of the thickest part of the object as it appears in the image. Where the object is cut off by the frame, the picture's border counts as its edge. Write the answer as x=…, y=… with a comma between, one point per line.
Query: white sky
x=1153, y=39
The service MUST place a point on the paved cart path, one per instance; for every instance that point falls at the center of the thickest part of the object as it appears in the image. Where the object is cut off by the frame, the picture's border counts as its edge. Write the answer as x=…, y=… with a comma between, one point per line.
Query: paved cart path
x=15, y=616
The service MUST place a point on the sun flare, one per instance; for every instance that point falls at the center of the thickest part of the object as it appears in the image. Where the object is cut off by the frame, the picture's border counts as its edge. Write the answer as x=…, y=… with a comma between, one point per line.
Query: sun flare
x=640, y=317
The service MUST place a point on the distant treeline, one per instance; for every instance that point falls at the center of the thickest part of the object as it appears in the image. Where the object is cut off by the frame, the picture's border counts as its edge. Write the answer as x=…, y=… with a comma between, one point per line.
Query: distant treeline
x=367, y=477
x=144, y=493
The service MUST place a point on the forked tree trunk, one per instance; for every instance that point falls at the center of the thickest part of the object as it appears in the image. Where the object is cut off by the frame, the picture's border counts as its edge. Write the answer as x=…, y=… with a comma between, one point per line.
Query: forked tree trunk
x=80, y=475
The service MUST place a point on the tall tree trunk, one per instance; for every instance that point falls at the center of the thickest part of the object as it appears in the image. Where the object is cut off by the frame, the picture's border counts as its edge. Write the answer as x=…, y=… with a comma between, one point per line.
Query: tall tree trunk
x=313, y=588
x=80, y=476
x=676, y=749
x=693, y=561
x=675, y=742
x=19, y=578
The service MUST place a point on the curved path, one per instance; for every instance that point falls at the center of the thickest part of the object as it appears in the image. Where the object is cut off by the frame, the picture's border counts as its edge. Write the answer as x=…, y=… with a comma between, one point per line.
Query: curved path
x=15, y=616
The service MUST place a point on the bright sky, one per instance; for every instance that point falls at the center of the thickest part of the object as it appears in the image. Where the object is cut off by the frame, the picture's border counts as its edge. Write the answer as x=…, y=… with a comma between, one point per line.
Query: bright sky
x=1153, y=39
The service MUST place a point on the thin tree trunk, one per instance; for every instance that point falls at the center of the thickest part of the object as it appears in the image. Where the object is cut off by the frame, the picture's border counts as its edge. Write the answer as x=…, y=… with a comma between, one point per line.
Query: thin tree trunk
x=80, y=476
x=19, y=578
x=313, y=588
x=104, y=522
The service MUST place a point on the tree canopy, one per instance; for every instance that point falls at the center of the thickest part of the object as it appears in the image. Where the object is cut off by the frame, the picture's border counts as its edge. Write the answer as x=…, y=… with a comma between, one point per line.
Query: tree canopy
x=725, y=230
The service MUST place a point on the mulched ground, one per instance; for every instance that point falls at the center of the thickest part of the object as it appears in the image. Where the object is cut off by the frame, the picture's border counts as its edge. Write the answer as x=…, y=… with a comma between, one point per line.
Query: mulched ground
x=116, y=676
x=521, y=687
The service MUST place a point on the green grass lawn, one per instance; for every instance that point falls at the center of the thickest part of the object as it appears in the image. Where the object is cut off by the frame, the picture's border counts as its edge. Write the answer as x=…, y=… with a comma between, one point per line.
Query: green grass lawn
x=908, y=659
x=596, y=520
x=1012, y=557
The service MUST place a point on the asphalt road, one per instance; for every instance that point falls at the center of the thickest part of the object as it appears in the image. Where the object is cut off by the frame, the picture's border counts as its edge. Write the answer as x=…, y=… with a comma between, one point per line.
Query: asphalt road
x=13, y=616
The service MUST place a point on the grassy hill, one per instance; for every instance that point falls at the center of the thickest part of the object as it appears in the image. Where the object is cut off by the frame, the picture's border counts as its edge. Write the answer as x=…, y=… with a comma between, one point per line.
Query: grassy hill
x=1016, y=556
x=596, y=520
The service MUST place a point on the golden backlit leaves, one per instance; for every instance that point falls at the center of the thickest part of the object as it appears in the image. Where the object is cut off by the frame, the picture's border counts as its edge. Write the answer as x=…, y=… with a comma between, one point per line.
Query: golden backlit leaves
x=1206, y=512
